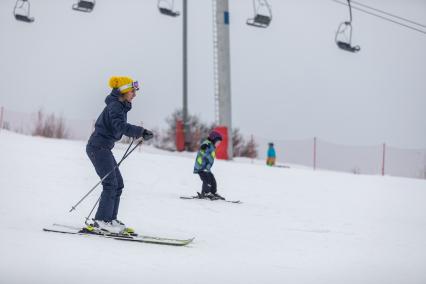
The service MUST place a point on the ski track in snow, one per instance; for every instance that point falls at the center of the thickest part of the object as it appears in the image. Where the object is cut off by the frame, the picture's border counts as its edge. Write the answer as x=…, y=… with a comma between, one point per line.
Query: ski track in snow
x=294, y=226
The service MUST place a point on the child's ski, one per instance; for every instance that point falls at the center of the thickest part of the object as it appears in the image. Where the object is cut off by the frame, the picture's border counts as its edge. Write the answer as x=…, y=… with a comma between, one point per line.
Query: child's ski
x=65, y=229
x=197, y=197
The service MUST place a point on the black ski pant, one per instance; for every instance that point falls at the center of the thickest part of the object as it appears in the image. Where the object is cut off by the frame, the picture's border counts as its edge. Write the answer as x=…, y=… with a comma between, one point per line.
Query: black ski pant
x=209, y=182
x=103, y=161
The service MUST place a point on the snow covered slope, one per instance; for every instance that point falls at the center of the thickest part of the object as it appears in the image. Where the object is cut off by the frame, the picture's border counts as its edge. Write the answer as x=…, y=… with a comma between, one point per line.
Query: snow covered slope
x=295, y=225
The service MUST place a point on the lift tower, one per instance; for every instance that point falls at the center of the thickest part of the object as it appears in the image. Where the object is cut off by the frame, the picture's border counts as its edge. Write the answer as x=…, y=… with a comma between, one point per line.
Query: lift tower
x=222, y=68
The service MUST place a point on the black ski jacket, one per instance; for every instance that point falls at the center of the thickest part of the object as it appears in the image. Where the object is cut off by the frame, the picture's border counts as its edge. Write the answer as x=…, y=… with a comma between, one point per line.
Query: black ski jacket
x=112, y=124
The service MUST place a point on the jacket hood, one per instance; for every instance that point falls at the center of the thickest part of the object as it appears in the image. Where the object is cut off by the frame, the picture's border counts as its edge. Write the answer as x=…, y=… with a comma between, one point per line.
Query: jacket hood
x=114, y=97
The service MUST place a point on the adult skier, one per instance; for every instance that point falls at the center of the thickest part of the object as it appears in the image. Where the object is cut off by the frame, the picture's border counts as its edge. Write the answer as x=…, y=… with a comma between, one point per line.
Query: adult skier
x=204, y=162
x=110, y=126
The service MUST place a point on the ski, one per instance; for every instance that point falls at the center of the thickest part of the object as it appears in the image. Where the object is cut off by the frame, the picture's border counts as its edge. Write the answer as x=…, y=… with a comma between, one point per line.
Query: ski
x=65, y=229
x=197, y=197
x=282, y=166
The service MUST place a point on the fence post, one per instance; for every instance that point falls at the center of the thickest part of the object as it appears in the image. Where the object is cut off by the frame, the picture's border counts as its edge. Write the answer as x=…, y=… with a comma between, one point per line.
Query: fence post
x=140, y=145
x=383, y=159
x=1, y=117
x=315, y=153
x=424, y=165
x=254, y=148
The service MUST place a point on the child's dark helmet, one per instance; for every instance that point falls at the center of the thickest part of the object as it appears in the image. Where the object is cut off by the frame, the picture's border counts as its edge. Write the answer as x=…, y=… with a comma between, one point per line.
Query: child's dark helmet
x=215, y=136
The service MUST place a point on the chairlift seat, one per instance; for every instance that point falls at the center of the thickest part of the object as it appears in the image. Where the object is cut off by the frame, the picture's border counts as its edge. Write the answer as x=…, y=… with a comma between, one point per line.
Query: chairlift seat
x=262, y=19
x=168, y=12
x=24, y=18
x=259, y=21
x=84, y=6
x=346, y=46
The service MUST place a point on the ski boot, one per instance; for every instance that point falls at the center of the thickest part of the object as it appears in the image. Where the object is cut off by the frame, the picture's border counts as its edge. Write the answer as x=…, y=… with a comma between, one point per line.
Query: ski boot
x=207, y=195
x=124, y=229
x=217, y=196
x=103, y=227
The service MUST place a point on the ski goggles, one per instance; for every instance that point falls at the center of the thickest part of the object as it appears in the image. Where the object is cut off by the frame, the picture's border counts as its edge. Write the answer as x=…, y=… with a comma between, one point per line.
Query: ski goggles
x=134, y=85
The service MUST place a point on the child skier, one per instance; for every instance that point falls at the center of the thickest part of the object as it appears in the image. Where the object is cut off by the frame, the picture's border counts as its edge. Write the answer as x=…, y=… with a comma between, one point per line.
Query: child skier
x=110, y=126
x=271, y=155
x=204, y=162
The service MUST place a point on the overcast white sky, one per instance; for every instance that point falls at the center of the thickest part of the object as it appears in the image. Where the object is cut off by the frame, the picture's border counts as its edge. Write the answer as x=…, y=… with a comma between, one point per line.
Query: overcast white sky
x=288, y=81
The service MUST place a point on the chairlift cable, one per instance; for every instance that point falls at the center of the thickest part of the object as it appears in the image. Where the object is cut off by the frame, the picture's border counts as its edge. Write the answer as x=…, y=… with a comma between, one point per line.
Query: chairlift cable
x=389, y=14
x=350, y=11
x=383, y=18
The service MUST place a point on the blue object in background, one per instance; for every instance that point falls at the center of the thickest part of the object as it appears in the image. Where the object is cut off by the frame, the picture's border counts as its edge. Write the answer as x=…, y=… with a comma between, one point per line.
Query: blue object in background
x=226, y=17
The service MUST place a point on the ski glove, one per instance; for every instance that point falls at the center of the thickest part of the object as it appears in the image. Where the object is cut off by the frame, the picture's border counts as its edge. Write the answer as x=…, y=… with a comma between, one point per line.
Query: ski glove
x=147, y=134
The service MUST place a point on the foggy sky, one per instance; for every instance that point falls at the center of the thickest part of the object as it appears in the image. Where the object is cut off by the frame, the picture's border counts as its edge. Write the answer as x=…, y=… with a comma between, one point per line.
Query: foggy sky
x=289, y=81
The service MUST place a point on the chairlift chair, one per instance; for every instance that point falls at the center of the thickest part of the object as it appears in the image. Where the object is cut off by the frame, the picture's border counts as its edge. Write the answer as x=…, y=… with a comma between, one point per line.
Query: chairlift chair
x=167, y=8
x=84, y=5
x=261, y=20
x=345, y=30
x=22, y=11
x=343, y=36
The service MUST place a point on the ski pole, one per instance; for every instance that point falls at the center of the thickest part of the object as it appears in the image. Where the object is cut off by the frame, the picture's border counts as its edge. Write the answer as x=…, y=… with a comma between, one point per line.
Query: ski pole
x=91, y=211
x=96, y=185
x=94, y=206
x=126, y=154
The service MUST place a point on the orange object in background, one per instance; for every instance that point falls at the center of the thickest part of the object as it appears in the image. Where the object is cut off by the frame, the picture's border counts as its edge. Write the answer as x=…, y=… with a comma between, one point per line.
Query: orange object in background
x=270, y=161
x=180, y=136
x=222, y=150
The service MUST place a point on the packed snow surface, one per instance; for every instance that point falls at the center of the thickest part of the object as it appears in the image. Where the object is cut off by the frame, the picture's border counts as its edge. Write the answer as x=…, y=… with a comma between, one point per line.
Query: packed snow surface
x=294, y=226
